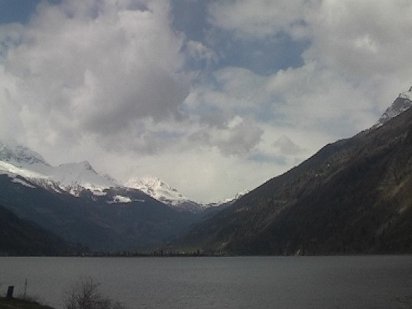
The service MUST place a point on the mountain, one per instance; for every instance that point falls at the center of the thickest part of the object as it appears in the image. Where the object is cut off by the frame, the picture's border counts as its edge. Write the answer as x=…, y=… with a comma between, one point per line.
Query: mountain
x=157, y=189
x=402, y=103
x=71, y=177
x=82, y=174
x=353, y=196
x=20, y=237
x=17, y=155
x=116, y=219
x=77, y=177
x=81, y=206
x=162, y=192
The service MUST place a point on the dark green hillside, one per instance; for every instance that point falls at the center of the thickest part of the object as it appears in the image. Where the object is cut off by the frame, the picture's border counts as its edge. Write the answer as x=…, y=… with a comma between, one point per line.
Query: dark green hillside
x=352, y=197
x=20, y=237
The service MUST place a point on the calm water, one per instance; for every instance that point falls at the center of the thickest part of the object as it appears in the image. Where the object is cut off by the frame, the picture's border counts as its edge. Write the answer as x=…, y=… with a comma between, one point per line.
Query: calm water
x=238, y=282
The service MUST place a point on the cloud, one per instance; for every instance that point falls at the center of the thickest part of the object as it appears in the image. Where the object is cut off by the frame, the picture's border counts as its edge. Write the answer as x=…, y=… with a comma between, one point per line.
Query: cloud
x=96, y=67
x=363, y=40
x=259, y=18
x=200, y=52
x=239, y=138
x=366, y=42
x=229, y=92
x=354, y=63
x=312, y=97
x=203, y=174
x=286, y=146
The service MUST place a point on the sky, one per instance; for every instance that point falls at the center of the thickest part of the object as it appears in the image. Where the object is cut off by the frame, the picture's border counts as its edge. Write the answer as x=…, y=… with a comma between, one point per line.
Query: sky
x=214, y=97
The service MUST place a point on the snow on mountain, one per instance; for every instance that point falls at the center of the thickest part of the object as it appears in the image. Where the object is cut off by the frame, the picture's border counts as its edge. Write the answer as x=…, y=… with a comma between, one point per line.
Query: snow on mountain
x=236, y=197
x=11, y=169
x=28, y=168
x=81, y=174
x=407, y=94
x=19, y=155
x=162, y=192
x=402, y=103
x=22, y=182
x=120, y=199
x=157, y=189
x=72, y=177
x=228, y=201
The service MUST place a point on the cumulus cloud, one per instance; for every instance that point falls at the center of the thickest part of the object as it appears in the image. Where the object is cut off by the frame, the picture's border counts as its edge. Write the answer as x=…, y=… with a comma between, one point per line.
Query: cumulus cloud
x=95, y=67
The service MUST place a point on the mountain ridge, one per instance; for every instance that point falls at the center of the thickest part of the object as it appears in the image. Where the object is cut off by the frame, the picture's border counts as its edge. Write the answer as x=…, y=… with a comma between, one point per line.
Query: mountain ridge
x=76, y=177
x=81, y=206
x=88, y=219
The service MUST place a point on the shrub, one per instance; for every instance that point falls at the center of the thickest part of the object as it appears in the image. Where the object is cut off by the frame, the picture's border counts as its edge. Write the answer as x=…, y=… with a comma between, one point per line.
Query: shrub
x=85, y=295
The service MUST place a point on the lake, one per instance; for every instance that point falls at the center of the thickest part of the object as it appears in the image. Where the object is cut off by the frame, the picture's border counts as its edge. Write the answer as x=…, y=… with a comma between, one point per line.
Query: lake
x=224, y=282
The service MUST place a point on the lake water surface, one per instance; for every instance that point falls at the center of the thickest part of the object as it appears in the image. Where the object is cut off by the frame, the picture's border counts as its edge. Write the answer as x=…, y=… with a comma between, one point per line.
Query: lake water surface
x=233, y=282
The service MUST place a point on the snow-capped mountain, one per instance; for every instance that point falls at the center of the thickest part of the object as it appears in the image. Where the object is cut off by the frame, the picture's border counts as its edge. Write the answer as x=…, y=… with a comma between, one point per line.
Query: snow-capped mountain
x=229, y=201
x=81, y=174
x=157, y=189
x=402, y=103
x=16, y=160
x=22, y=161
x=82, y=206
x=163, y=192
x=29, y=168
x=116, y=218
x=20, y=155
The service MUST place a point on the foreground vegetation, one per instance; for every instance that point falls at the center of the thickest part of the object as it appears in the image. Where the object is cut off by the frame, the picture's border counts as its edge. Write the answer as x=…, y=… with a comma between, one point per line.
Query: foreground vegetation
x=16, y=303
x=84, y=294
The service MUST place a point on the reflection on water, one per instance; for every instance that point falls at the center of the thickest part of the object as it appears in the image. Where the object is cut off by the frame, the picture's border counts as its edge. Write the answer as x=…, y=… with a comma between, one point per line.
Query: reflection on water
x=232, y=282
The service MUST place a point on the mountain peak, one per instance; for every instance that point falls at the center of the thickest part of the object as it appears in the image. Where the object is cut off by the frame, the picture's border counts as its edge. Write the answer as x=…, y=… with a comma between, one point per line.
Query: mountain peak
x=402, y=103
x=83, y=174
x=157, y=189
x=407, y=94
x=19, y=154
x=24, y=162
